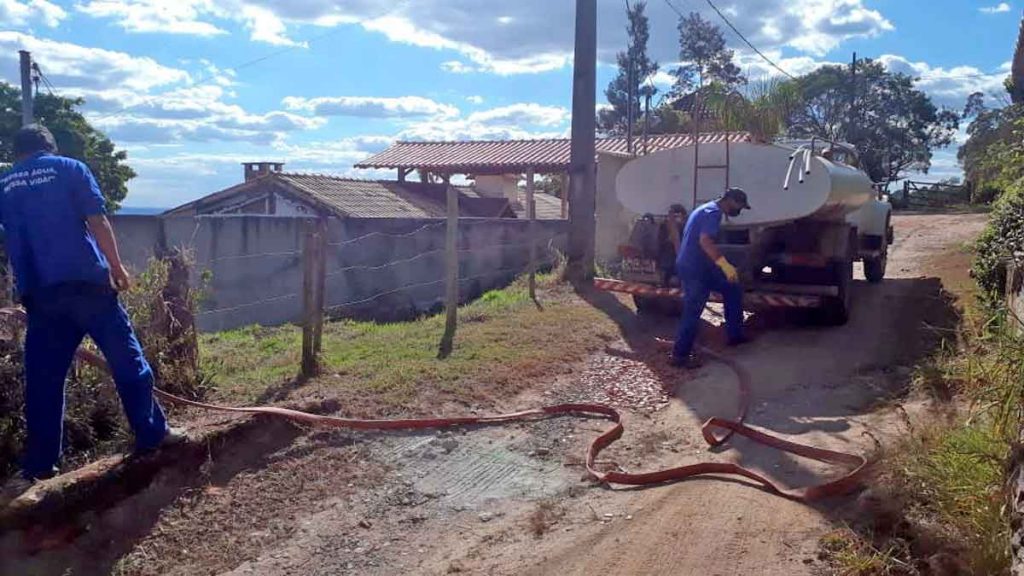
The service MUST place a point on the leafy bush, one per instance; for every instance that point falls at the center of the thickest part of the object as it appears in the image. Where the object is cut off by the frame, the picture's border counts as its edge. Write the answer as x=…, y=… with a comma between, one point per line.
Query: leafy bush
x=1001, y=241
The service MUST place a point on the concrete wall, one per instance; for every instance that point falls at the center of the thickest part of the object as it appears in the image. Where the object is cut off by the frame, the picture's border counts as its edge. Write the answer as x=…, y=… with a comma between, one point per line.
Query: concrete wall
x=377, y=268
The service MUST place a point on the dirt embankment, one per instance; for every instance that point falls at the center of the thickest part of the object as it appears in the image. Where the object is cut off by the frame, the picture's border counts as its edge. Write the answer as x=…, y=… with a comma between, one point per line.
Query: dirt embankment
x=513, y=500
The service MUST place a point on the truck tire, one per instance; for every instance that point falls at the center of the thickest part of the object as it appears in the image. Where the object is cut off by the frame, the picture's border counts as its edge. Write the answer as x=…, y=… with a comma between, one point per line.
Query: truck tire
x=645, y=304
x=874, y=268
x=835, y=310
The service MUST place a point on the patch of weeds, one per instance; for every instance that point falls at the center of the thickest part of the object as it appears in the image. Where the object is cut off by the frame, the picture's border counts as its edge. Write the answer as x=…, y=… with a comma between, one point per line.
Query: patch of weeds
x=953, y=478
x=849, y=554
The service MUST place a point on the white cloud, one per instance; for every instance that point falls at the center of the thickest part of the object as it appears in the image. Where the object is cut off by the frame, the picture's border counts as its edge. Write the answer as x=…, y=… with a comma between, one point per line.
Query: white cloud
x=506, y=38
x=149, y=16
x=477, y=100
x=71, y=65
x=265, y=26
x=371, y=107
x=522, y=114
x=517, y=121
x=997, y=9
x=17, y=13
x=138, y=100
x=948, y=87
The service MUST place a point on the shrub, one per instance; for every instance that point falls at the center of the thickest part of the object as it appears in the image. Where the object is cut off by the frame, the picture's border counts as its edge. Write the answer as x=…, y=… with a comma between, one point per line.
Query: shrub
x=1001, y=241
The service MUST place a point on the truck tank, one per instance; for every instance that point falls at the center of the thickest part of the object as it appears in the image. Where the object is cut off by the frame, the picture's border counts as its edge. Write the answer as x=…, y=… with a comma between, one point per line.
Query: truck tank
x=829, y=191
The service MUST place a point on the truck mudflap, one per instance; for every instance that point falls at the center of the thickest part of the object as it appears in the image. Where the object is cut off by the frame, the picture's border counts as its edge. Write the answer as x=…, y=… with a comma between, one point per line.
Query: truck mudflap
x=752, y=299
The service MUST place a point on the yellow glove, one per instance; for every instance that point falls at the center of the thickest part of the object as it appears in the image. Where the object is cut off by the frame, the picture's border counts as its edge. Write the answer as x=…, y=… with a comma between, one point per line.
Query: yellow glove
x=728, y=269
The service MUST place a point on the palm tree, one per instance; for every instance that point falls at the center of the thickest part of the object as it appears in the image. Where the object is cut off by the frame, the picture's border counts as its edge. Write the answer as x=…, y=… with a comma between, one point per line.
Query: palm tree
x=762, y=112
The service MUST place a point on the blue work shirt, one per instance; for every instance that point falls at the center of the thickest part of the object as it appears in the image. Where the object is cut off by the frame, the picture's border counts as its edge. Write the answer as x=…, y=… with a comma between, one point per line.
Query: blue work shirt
x=46, y=199
x=706, y=219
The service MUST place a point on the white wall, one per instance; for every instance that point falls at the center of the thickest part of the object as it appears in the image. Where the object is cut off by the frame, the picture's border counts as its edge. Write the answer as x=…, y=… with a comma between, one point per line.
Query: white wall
x=503, y=186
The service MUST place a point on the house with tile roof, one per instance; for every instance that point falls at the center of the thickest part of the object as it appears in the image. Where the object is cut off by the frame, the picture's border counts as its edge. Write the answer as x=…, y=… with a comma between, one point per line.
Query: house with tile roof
x=269, y=190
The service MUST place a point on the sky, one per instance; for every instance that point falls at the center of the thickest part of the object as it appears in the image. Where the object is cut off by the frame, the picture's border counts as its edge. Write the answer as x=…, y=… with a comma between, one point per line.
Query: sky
x=193, y=88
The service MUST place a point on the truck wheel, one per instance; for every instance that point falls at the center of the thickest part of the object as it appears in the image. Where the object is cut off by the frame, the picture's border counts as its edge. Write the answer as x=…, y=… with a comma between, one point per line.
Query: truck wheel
x=645, y=304
x=874, y=268
x=835, y=310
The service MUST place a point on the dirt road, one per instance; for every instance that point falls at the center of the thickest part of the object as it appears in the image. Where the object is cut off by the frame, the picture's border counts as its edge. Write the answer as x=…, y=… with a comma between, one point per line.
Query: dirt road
x=514, y=500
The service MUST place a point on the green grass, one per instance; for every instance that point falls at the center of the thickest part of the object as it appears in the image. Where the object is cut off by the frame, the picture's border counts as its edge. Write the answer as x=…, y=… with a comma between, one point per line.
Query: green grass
x=503, y=341
x=955, y=476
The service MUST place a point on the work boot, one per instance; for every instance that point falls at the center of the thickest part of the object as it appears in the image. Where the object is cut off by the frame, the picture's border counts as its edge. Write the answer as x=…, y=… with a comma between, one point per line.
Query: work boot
x=691, y=362
x=173, y=437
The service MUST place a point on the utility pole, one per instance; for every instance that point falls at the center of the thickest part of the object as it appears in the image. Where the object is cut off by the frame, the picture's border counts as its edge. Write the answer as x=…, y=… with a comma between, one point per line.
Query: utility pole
x=27, y=115
x=630, y=96
x=582, y=164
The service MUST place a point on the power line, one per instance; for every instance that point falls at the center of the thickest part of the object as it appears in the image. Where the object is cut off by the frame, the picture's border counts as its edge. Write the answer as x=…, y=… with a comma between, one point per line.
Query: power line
x=748, y=42
x=738, y=33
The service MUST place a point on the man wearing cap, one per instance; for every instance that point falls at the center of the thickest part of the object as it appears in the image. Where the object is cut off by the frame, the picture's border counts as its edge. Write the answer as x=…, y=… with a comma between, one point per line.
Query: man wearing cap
x=703, y=269
x=68, y=272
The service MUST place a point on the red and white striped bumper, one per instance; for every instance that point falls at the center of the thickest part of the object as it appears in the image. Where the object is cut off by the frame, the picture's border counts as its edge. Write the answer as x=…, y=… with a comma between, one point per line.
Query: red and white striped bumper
x=755, y=299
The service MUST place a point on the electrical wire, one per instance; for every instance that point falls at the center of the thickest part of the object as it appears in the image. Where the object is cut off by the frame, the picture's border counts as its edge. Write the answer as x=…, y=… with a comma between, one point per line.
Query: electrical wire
x=738, y=33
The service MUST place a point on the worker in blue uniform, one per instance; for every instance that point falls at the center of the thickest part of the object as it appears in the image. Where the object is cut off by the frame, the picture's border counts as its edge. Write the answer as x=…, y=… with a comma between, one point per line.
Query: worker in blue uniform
x=703, y=269
x=68, y=273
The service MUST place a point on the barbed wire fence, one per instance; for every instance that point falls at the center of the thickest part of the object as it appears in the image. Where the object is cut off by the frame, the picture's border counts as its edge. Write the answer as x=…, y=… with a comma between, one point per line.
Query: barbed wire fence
x=389, y=285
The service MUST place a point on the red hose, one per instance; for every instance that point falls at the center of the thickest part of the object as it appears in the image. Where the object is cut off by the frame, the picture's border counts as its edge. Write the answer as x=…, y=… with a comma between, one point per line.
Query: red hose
x=844, y=484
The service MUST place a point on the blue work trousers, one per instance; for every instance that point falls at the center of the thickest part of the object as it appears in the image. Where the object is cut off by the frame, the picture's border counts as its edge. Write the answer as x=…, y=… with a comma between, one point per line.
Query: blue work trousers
x=697, y=287
x=58, y=320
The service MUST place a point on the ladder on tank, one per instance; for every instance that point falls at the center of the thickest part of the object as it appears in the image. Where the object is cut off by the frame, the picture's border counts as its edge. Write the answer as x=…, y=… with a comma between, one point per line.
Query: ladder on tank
x=697, y=115
x=698, y=167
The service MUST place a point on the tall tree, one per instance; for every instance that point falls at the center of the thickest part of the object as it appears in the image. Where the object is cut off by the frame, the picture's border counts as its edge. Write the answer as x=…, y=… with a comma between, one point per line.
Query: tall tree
x=704, y=56
x=894, y=126
x=635, y=67
x=991, y=156
x=75, y=138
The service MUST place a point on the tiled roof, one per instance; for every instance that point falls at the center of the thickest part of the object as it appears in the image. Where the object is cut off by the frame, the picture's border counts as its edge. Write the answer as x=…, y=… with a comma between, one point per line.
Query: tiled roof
x=510, y=156
x=351, y=198
x=367, y=198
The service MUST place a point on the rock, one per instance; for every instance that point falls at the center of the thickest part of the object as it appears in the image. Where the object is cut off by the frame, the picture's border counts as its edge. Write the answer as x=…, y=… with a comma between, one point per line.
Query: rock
x=486, y=516
x=364, y=523
x=629, y=517
x=448, y=445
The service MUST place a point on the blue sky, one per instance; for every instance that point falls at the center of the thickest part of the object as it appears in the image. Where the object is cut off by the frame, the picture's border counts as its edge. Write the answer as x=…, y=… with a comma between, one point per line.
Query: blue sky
x=192, y=88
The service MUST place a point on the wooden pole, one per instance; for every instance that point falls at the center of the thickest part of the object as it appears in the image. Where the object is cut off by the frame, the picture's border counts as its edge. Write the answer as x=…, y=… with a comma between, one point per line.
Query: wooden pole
x=320, y=287
x=583, y=162
x=531, y=213
x=27, y=112
x=696, y=144
x=309, y=300
x=565, y=196
x=452, y=277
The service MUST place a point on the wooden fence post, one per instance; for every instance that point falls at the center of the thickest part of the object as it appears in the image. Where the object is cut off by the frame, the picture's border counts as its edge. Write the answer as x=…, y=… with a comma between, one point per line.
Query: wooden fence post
x=531, y=230
x=313, y=278
x=451, y=252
